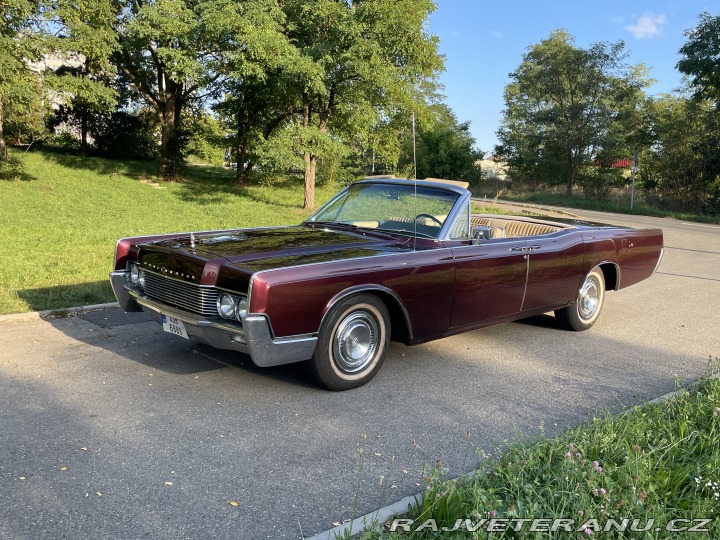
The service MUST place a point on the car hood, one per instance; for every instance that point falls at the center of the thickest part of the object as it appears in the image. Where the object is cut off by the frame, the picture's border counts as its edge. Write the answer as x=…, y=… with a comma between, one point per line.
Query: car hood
x=265, y=249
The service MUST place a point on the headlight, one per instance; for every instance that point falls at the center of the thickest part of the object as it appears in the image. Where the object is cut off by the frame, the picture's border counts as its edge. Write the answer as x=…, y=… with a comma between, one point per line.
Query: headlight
x=141, y=278
x=134, y=273
x=226, y=305
x=241, y=309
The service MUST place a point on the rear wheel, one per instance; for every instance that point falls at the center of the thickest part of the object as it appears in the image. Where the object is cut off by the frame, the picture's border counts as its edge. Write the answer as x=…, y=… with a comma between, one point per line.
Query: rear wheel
x=352, y=343
x=585, y=310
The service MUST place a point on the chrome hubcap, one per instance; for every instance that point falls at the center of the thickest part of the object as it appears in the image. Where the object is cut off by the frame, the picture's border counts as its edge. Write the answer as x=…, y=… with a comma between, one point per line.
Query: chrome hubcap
x=355, y=341
x=588, y=299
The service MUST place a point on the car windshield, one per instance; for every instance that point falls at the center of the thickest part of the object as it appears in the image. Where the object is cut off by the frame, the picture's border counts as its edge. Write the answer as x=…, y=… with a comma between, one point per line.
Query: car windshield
x=405, y=209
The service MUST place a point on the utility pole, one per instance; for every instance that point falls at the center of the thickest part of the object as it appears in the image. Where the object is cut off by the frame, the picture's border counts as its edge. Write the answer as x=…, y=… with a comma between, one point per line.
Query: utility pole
x=633, y=170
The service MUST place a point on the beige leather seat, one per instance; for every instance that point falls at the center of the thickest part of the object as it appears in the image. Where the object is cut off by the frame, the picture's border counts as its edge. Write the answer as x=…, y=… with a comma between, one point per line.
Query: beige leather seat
x=512, y=227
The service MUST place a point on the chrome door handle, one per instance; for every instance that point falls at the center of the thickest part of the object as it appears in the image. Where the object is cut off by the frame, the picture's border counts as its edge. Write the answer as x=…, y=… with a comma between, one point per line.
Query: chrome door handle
x=534, y=248
x=523, y=248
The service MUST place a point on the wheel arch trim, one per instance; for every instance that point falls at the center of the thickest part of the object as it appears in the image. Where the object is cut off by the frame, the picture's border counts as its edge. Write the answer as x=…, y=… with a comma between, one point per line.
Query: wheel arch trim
x=371, y=289
x=601, y=265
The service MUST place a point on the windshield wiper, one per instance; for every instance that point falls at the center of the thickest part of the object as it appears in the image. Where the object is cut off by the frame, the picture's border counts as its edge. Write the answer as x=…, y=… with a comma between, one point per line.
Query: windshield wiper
x=333, y=224
x=405, y=232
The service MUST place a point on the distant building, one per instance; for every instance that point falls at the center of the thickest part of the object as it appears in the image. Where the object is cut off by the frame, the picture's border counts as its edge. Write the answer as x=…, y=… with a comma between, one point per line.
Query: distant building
x=52, y=63
x=493, y=168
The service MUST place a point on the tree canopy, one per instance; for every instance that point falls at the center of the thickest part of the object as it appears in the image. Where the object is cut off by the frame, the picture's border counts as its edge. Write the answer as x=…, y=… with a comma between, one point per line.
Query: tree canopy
x=329, y=87
x=20, y=43
x=701, y=57
x=563, y=104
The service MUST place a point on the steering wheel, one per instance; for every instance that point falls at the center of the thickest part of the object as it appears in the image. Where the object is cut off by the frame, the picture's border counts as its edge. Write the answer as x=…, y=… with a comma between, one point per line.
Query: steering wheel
x=433, y=218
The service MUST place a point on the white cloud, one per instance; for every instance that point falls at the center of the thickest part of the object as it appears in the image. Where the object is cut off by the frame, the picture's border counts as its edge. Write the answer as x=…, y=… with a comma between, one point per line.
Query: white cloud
x=496, y=34
x=648, y=26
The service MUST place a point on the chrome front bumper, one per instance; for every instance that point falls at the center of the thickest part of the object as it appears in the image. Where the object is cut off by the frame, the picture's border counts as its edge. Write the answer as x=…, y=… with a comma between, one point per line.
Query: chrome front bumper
x=253, y=338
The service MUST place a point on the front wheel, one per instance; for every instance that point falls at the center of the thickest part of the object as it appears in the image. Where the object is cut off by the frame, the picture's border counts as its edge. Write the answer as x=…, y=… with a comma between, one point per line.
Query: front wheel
x=585, y=309
x=352, y=343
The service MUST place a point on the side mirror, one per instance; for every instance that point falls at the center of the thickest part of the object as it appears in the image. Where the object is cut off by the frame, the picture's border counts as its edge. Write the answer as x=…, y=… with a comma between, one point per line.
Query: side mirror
x=486, y=232
x=481, y=232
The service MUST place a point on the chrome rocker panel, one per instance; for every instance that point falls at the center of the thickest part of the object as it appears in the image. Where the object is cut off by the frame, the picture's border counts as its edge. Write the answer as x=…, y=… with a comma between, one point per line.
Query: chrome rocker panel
x=254, y=338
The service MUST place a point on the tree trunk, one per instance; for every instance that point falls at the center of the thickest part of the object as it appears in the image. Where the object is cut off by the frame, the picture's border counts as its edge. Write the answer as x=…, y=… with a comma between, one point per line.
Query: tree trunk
x=167, y=130
x=3, y=145
x=83, y=130
x=241, y=172
x=169, y=116
x=310, y=167
x=310, y=161
x=571, y=176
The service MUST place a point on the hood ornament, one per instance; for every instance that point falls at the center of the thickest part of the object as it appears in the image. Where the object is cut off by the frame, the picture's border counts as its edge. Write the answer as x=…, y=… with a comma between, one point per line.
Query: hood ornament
x=192, y=240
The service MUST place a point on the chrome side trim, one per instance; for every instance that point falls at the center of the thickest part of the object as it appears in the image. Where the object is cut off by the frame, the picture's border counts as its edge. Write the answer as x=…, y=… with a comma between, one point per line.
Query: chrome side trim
x=657, y=265
x=495, y=241
x=527, y=278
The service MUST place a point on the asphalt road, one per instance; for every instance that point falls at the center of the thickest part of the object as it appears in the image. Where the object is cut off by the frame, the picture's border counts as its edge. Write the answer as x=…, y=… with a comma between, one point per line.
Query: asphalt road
x=111, y=429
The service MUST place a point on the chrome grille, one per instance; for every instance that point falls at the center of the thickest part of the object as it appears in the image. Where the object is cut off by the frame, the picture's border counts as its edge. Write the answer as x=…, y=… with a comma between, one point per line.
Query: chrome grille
x=182, y=295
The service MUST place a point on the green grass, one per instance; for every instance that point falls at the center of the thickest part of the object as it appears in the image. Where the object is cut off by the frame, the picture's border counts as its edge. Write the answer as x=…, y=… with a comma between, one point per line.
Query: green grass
x=492, y=208
x=659, y=461
x=60, y=219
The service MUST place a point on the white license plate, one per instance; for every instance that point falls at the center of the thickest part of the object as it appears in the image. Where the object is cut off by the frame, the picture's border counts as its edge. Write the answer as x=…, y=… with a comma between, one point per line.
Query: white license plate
x=174, y=326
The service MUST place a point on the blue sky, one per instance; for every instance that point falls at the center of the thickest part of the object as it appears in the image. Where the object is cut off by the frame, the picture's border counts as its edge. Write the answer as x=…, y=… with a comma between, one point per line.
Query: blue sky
x=484, y=41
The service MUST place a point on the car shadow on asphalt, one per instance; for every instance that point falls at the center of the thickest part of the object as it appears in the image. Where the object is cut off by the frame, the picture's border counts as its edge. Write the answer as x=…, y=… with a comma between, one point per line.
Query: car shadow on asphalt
x=136, y=337
x=159, y=350
x=150, y=346
x=542, y=321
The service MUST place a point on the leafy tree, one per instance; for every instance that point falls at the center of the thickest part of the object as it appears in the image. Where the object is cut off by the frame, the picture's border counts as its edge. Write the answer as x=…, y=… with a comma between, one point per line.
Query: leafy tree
x=701, y=63
x=701, y=57
x=21, y=40
x=175, y=52
x=445, y=148
x=255, y=111
x=123, y=135
x=257, y=53
x=207, y=137
x=679, y=169
x=564, y=107
x=164, y=54
x=86, y=39
x=357, y=59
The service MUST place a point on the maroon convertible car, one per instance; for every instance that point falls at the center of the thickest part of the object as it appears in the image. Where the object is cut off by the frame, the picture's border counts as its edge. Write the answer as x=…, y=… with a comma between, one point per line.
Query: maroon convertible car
x=385, y=259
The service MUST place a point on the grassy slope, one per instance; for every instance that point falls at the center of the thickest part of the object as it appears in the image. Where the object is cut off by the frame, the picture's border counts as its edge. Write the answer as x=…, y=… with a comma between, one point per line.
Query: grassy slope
x=59, y=224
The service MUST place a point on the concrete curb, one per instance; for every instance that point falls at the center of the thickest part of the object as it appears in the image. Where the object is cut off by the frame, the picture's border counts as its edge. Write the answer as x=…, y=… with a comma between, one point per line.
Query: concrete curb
x=670, y=395
x=356, y=526
x=49, y=313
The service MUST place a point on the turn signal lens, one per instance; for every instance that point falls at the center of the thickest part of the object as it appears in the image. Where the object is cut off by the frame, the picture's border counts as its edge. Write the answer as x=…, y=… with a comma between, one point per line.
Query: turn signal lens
x=241, y=309
x=134, y=273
